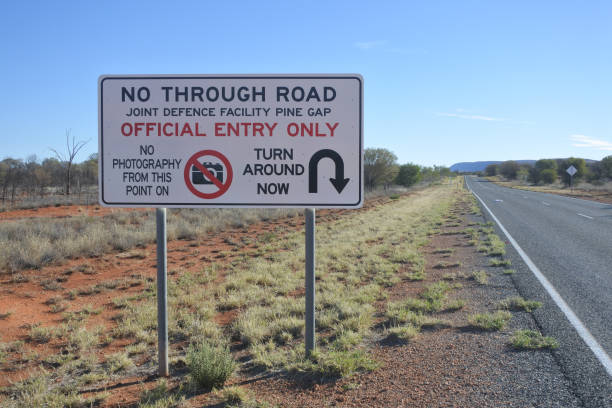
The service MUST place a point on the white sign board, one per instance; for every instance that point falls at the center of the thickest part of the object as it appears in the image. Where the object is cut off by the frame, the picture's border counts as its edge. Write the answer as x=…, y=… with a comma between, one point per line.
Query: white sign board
x=231, y=140
x=571, y=170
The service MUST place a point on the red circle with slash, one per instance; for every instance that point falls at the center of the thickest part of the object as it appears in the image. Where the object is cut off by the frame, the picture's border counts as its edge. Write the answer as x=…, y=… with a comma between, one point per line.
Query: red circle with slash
x=193, y=161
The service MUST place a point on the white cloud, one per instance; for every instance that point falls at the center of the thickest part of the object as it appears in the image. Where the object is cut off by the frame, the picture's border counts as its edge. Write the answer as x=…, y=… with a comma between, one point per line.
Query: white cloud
x=586, y=141
x=472, y=117
x=368, y=45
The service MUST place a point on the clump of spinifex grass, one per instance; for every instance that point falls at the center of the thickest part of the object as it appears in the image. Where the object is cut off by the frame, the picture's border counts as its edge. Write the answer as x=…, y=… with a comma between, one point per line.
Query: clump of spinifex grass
x=492, y=245
x=334, y=364
x=404, y=333
x=435, y=294
x=454, y=305
x=481, y=277
x=490, y=321
x=41, y=334
x=532, y=340
x=408, y=316
x=500, y=262
x=118, y=362
x=160, y=396
x=446, y=265
x=518, y=303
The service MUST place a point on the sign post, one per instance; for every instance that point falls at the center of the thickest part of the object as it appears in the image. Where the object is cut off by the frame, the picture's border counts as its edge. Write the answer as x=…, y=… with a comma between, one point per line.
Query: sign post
x=309, y=342
x=162, y=293
x=231, y=141
x=571, y=170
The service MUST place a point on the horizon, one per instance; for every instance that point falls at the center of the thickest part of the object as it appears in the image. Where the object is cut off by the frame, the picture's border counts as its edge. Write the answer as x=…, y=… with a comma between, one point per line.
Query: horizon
x=84, y=159
x=444, y=83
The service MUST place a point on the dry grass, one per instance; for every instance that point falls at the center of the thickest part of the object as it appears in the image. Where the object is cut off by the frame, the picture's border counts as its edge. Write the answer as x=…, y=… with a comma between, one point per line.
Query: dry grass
x=35, y=243
x=357, y=257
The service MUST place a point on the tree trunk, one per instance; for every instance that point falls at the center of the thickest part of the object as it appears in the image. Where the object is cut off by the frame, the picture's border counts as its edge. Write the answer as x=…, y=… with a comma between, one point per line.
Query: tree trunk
x=68, y=181
x=13, y=194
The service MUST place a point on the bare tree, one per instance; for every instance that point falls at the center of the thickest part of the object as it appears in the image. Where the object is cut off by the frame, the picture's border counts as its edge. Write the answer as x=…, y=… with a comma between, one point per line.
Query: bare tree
x=72, y=148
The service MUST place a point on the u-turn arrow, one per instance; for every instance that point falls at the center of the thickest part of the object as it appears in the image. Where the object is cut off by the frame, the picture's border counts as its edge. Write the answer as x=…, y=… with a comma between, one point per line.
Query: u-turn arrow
x=339, y=182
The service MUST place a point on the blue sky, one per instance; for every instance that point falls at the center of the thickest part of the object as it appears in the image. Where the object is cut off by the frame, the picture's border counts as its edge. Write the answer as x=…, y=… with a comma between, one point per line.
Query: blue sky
x=445, y=81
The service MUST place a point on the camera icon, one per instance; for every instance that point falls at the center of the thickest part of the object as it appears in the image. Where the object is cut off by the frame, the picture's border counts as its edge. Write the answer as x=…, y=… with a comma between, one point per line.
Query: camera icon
x=216, y=169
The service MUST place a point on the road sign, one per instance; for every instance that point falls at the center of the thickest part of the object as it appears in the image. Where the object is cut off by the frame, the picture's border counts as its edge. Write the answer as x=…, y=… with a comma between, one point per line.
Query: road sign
x=571, y=170
x=231, y=140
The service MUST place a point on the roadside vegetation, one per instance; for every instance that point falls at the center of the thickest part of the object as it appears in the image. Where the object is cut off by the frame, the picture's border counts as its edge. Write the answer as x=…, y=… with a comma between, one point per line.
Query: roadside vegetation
x=60, y=180
x=33, y=243
x=593, y=179
x=244, y=315
x=358, y=259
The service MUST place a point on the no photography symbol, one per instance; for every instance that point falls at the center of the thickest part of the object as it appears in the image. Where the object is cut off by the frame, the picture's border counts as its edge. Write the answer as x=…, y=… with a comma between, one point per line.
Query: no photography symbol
x=199, y=172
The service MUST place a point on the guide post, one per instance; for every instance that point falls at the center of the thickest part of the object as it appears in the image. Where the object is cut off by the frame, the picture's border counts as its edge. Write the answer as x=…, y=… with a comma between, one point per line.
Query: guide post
x=162, y=293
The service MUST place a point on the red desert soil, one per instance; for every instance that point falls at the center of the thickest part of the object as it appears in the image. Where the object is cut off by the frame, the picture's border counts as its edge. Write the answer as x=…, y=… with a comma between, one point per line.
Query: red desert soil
x=63, y=211
x=28, y=304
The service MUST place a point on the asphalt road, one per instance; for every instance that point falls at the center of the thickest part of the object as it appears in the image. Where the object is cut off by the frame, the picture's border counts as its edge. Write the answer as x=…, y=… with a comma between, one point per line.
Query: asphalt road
x=570, y=242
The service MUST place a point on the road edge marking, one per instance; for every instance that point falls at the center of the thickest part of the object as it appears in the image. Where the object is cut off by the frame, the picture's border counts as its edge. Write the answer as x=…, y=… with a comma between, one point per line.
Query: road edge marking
x=580, y=328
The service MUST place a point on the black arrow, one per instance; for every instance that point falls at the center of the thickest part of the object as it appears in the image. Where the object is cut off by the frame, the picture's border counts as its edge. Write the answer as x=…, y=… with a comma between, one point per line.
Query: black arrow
x=339, y=182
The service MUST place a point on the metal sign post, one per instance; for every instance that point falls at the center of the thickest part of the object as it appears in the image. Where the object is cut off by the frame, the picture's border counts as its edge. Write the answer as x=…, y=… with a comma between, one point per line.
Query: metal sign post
x=309, y=214
x=571, y=170
x=162, y=293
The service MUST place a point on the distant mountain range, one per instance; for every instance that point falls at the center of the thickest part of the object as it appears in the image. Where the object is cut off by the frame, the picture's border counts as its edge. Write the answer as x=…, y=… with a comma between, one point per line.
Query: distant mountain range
x=468, y=167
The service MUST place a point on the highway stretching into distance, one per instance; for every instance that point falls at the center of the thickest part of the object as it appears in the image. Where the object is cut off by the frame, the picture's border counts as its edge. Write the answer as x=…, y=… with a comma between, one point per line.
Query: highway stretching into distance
x=570, y=242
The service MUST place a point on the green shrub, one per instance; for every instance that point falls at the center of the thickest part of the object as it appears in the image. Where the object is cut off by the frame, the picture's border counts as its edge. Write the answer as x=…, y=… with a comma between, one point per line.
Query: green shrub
x=548, y=176
x=210, y=366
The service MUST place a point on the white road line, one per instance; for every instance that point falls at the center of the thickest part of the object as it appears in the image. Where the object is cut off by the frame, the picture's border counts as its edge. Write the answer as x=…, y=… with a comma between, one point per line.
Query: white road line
x=545, y=203
x=583, y=332
x=585, y=216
